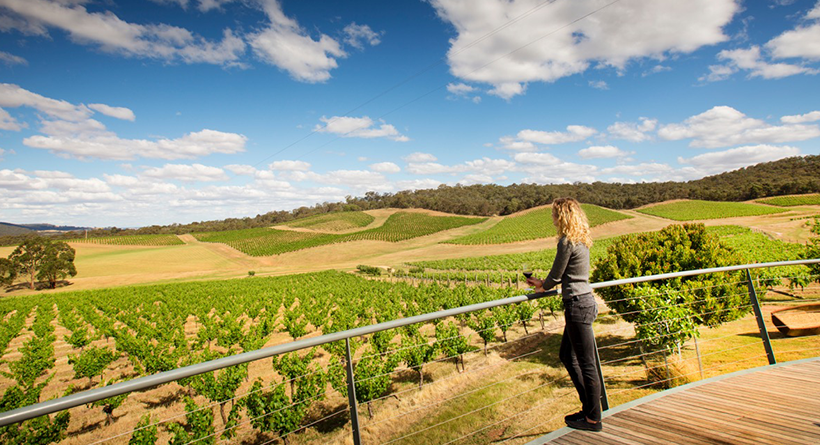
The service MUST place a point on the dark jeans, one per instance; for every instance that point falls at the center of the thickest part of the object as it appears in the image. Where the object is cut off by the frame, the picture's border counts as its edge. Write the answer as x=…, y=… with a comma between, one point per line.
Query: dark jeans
x=578, y=352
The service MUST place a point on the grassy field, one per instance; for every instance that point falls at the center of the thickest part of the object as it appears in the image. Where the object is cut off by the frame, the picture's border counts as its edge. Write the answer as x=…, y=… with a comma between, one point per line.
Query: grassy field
x=333, y=222
x=532, y=225
x=701, y=210
x=792, y=200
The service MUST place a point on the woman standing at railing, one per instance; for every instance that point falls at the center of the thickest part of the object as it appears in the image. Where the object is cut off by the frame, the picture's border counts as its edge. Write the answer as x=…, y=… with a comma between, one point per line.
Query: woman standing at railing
x=571, y=270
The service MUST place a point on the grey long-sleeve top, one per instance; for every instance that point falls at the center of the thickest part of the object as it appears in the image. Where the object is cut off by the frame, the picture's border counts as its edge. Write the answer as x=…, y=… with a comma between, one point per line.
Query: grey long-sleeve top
x=570, y=269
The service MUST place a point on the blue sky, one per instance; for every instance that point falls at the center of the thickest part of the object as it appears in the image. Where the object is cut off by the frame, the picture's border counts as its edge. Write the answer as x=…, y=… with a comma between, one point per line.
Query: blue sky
x=132, y=113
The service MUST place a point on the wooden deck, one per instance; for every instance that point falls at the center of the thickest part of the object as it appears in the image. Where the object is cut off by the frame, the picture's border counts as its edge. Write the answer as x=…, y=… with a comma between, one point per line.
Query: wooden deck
x=771, y=405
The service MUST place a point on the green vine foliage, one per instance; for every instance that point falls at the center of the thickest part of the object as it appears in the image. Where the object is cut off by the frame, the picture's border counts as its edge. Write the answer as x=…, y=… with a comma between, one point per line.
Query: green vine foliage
x=38, y=431
x=91, y=362
x=373, y=376
x=78, y=338
x=144, y=434
x=220, y=386
x=198, y=426
x=483, y=323
x=416, y=351
x=667, y=312
x=505, y=316
x=451, y=343
x=272, y=411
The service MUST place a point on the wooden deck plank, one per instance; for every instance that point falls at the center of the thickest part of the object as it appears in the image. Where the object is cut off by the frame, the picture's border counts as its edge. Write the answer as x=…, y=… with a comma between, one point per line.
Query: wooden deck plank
x=646, y=429
x=726, y=422
x=707, y=419
x=773, y=405
x=769, y=421
x=671, y=432
x=713, y=433
x=717, y=404
x=632, y=435
x=751, y=404
x=721, y=396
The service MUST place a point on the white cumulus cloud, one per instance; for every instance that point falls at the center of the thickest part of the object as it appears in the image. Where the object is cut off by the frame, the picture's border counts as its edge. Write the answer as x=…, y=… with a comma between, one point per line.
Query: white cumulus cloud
x=631, y=131
x=112, y=34
x=359, y=127
x=801, y=118
x=721, y=161
x=117, y=112
x=290, y=166
x=724, y=126
x=186, y=173
x=357, y=35
x=420, y=157
x=574, y=133
x=385, y=167
x=509, y=43
x=603, y=151
x=798, y=45
x=288, y=46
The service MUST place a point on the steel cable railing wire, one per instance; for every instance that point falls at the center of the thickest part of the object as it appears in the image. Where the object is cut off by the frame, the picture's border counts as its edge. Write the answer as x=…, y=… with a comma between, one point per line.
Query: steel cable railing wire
x=391, y=351
x=640, y=297
x=532, y=408
x=655, y=352
x=251, y=420
x=657, y=308
x=445, y=358
x=316, y=422
x=639, y=340
x=678, y=319
x=211, y=405
x=520, y=434
x=682, y=360
x=477, y=410
x=396, y=371
x=439, y=402
x=686, y=375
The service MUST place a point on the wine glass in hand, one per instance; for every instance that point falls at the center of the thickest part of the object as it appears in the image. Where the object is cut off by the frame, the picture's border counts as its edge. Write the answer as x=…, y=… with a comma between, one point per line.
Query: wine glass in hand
x=527, y=271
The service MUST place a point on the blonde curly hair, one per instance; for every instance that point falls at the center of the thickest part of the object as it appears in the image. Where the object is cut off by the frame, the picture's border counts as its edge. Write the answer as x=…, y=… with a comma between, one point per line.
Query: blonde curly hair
x=571, y=221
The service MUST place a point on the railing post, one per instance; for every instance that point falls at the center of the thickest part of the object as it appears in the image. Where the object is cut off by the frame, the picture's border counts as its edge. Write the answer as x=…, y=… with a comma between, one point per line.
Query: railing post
x=604, y=398
x=761, y=323
x=351, y=395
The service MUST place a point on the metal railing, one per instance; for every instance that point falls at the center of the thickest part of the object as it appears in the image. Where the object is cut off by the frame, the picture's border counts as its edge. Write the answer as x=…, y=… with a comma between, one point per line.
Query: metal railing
x=143, y=383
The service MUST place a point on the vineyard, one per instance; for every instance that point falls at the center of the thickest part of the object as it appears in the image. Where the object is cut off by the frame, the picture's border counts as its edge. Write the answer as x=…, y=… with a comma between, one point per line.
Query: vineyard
x=132, y=240
x=333, y=222
x=754, y=247
x=700, y=210
x=65, y=342
x=122, y=333
x=792, y=201
x=399, y=226
x=533, y=225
